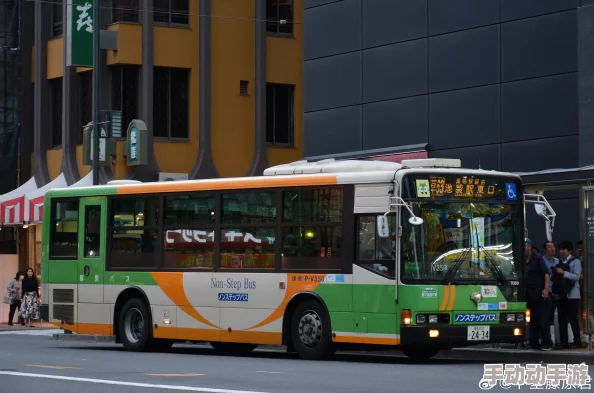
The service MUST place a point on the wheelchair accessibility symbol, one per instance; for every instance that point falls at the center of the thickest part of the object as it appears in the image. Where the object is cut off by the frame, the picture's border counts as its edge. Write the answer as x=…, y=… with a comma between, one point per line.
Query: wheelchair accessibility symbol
x=510, y=191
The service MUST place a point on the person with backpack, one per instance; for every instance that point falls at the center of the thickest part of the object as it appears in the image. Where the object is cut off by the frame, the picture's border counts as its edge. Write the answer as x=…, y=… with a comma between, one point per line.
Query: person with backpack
x=566, y=287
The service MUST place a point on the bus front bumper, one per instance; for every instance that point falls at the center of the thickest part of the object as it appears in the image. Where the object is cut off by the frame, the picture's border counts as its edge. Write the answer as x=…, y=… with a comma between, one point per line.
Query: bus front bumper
x=456, y=336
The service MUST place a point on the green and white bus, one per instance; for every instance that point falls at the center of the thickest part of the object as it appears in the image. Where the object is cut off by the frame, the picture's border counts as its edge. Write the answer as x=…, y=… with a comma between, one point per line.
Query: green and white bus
x=317, y=256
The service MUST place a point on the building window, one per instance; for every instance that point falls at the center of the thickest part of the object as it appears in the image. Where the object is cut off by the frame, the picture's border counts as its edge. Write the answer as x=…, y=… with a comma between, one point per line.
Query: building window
x=279, y=114
x=170, y=103
x=64, y=230
x=125, y=81
x=174, y=12
x=134, y=230
x=57, y=18
x=56, y=111
x=125, y=11
x=86, y=100
x=279, y=17
x=312, y=230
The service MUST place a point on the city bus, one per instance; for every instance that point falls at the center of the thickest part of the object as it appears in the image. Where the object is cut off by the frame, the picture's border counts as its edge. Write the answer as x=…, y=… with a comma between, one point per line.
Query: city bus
x=316, y=256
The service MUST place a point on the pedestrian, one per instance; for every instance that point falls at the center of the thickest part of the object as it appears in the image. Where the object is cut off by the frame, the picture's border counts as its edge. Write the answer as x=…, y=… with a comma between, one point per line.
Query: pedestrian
x=30, y=298
x=567, y=290
x=551, y=261
x=537, y=279
x=14, y=289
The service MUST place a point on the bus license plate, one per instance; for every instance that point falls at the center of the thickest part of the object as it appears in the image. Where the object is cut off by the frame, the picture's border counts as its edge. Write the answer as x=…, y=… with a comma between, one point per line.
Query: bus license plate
x=478, y=333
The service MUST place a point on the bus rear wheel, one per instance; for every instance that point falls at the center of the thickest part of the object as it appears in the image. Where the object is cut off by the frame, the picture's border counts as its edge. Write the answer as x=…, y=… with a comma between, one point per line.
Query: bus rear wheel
x=420, y=354
x=310, y=331
x=135, y=326
x=232, y=348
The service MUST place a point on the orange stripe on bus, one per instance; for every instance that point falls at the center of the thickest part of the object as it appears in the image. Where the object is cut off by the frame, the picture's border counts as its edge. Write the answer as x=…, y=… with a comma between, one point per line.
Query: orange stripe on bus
x=444, y=302
x=227, y=184
x=452, y=298
x=366, y=340
x=295, y=283
x=172, y=284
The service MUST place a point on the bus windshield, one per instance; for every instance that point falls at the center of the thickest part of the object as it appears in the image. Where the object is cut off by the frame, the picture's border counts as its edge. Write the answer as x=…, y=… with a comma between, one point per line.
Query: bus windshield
x=476, y=241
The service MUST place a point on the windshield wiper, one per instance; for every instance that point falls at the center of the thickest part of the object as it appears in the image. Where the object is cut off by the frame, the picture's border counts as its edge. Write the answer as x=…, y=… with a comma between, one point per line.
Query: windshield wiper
x=454, y=268
x=494, y=268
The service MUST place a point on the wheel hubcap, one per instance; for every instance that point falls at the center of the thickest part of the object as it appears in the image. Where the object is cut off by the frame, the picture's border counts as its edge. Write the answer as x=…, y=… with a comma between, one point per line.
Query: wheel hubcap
x=134, y=325
x=310, y=329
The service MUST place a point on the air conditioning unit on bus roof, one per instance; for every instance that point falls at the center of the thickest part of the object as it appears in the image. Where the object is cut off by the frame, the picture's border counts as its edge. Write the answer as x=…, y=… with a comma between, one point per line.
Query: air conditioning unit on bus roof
x=433, y=162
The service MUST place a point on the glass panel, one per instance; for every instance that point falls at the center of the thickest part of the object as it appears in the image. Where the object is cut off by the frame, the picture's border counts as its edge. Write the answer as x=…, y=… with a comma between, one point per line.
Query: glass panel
x=374, y=248
x=271, y=15
x=179, y=12
x=317, y=248
x=161, y=102
x=249, y=208
x=247, y=248
x=125, y=11
x=64, y=230
x=189, y=209
x=180, y=79
x=58, y=17
x=92, y=231
x=283, y=113
x=188, y=249
x=133, y=248
x=285, y=12
x=468, y=240
x=161, y=11
x=135, y=212
x=269, y=113
x=321, y=205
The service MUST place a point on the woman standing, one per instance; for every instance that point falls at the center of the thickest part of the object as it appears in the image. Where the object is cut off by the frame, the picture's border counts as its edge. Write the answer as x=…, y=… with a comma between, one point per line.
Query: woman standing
x=14, y=288
x=30, y=296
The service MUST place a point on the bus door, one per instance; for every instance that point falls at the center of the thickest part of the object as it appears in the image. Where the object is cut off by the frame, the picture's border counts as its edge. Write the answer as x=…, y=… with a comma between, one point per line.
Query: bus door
x=91, y=250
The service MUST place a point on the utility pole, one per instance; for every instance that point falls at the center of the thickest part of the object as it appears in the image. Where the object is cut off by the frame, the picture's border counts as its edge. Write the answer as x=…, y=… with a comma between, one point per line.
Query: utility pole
x=96, y=90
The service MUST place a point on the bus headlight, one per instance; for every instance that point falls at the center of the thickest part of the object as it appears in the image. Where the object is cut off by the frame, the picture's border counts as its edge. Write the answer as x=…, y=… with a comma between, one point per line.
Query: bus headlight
x=511, y=317
x=433, y=319
x=520, y=317
x=421, y=319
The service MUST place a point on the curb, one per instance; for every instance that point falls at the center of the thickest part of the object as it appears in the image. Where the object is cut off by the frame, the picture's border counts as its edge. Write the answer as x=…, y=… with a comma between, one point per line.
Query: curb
x=469, y=354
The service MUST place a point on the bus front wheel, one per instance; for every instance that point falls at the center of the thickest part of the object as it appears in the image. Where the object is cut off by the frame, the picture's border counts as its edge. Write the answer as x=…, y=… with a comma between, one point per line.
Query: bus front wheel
x=310, y=331
x=135, y=326
x=420, y=353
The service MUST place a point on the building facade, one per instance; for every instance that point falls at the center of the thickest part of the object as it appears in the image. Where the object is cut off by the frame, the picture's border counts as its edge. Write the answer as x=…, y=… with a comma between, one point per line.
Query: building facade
x=500, y=84
x=217, y=82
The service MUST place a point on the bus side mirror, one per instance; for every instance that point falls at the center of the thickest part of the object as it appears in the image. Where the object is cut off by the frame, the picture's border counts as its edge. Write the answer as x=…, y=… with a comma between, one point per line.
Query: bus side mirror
x=383, y=228
x=542, y=211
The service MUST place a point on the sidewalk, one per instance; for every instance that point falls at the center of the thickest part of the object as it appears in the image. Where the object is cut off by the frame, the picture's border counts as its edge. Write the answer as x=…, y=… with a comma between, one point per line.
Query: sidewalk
x=474, y=354
x=37, y=325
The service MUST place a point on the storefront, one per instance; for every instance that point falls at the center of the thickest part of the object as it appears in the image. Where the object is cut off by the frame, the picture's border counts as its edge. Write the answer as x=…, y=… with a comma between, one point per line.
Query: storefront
x=21, y=212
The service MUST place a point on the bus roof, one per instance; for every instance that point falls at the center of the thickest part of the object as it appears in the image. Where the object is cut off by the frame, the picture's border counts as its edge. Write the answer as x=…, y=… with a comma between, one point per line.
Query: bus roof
x=300, y=173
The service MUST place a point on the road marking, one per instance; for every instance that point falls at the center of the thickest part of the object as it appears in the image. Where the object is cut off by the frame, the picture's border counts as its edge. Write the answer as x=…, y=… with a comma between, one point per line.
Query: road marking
x=53, y=367
x=123, y=383
x=269, y=372
x=176, y=375
x=40, y=332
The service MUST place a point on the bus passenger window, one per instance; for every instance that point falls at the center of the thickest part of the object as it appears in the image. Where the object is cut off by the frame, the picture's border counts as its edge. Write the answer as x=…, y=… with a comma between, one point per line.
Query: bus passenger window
x=92, y=231
x=373, y=252
x=64, y=230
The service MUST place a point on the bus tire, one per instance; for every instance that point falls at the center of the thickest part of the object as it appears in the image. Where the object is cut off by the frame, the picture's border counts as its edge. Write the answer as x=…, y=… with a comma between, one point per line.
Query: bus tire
x=420, y=354
x=310, y=331
x=135, y=326
x=232, y=348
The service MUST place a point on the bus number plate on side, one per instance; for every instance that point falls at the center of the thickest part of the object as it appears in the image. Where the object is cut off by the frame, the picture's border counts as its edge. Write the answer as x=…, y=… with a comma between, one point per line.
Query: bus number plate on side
x=478, y=333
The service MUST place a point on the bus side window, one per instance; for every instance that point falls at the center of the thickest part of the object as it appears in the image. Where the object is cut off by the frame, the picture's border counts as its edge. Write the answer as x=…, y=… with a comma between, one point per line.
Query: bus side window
x=92, y=231
x=373, y=252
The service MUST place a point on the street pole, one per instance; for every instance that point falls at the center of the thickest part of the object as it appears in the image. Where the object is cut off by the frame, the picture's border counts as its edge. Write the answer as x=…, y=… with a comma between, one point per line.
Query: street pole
x=96, y=90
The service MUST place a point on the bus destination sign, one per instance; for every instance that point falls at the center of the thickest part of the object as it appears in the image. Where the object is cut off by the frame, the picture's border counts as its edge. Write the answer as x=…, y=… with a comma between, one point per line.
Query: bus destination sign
x=465, y=187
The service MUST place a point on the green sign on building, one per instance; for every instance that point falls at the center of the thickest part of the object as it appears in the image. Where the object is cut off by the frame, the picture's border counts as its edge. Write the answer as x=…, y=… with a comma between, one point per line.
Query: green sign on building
x=137, y=143
x=79, y=36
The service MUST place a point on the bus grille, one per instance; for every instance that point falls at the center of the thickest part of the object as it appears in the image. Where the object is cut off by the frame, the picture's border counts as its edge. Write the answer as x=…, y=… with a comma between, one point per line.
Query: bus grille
x=63, y=295
x=64, y=312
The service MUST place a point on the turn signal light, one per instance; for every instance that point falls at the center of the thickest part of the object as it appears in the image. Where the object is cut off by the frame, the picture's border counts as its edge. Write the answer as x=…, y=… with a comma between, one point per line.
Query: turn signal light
x=527, y=315
x=406, y=317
